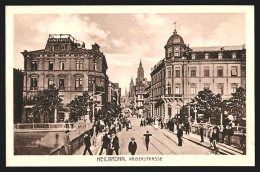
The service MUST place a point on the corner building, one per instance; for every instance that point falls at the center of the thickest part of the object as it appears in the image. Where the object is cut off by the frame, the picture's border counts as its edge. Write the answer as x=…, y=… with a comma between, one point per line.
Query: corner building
x=185, y=71
x=67, y=64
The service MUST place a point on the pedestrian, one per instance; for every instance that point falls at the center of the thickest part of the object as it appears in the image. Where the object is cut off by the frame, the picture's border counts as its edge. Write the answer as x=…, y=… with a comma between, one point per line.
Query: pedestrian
x=67, y=124
x=109, y=149
x=105, y=142
x=210, y=137
x=147, y=139
x=224, y=133
x=243, y=142
x=87, y=143
x=141, y=123
x=132, y=146
x=188, y=128
x=215, y=139
x=127, y=125
x=94, y=134
x=230, y=134
x=201, y=134
x=115, y=143
x=179, y=135
x=67, y=142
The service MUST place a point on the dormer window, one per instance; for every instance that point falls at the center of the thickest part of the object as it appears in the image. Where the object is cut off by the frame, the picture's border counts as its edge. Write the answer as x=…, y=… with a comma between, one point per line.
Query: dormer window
x=234, y=55
x=220, y=55
x=193, y=56
x=206, y=56
x=51, y=48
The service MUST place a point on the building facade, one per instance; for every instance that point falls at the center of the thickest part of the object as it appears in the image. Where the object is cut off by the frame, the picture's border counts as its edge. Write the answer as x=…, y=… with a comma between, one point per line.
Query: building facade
x=185, y=71
x=69, y=66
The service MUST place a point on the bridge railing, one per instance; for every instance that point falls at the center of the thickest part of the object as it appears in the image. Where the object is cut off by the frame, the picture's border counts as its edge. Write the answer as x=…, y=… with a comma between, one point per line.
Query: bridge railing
x=47, y=126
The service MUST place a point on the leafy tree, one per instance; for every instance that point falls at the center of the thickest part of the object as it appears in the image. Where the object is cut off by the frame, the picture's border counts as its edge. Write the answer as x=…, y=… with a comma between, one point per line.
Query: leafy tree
x=207, y=103
x=237, y=104
x=45, y=103
x=78, y=106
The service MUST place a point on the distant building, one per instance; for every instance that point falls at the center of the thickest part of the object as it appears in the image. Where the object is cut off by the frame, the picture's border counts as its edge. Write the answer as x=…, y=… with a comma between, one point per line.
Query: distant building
x=114, y=99
x=67, y=64
x=184, y=71
x=137, y=91
x=18, y=95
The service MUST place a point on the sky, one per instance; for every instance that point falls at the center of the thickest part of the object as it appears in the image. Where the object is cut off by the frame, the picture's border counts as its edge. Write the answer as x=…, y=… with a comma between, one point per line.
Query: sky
x=125, y=39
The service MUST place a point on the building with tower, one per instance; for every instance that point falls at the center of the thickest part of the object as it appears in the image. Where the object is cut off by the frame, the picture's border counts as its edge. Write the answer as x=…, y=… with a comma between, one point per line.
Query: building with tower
x=138, y=91
x=185, y=71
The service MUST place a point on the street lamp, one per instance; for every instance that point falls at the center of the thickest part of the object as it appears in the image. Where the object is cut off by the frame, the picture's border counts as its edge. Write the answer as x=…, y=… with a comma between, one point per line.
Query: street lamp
x=195, y=118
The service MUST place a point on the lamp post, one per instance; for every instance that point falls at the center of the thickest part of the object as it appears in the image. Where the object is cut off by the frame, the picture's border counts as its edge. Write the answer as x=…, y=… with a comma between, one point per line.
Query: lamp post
x=195, y=118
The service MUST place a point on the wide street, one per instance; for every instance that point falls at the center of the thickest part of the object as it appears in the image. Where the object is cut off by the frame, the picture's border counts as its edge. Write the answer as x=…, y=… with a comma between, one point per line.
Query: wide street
x=162, y=142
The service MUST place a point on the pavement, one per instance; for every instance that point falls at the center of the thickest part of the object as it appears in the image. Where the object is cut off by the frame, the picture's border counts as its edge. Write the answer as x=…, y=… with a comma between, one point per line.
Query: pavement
x=162, y=142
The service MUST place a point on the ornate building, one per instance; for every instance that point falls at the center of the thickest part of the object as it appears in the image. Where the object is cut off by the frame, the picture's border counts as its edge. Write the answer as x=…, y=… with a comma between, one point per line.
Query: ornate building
x=67, y=64
x=185, y=71
x=137, y=92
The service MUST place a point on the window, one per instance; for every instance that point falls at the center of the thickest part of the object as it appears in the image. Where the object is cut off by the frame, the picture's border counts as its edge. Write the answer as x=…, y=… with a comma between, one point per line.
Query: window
x=220, y=88
x=61, y=83
x=78, y=65
x=34, y=84
x=90, y=83
x=176, y=53
x=234, y=55
x=169, y=89
x=61, y=65
x=234, y=87
x=50, y=65
x=206, y=72
x=169, y=54
x=206, y=56
x=78, y=82
x=50, y=82
x=234, y=71
x=193, y=56
x=177, y=73
x=178, y=110
x=34, y=65
x=193, y=90
x=193, y=73
x=220, y=72
x=52, y=48
x=177, y=90
x=63, y=47
x=220, y=55
x=169, y=72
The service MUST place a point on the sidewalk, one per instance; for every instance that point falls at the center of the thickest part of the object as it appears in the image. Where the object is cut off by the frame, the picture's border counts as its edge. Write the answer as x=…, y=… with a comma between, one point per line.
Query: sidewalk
x=223, y=148
x=94, y=150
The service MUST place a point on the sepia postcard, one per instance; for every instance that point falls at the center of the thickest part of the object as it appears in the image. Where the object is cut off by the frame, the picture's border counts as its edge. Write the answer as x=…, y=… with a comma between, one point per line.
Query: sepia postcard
x=130, y=86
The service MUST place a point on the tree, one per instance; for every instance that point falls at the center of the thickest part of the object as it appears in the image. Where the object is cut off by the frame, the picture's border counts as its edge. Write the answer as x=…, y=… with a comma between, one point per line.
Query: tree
x=238, y=104
x=208, y=104
x=78, y=106
x=46, y=102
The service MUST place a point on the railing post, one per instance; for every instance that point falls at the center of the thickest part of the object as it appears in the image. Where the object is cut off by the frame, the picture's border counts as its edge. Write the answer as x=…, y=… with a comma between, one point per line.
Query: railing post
x=33, y=125
x=49, y=125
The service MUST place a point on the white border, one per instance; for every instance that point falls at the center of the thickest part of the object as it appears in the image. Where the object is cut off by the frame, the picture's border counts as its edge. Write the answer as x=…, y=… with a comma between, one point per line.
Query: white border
x=180, y=160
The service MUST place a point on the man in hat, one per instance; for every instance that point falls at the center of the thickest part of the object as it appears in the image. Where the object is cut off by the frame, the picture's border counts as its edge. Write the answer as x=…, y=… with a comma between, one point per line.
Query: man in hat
x=179, y=135
x=147, y=139
x=87, y=143
x=105, y=142
x=67, y=142
x=115, y=143
x=132, y=146
x=201, y=134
